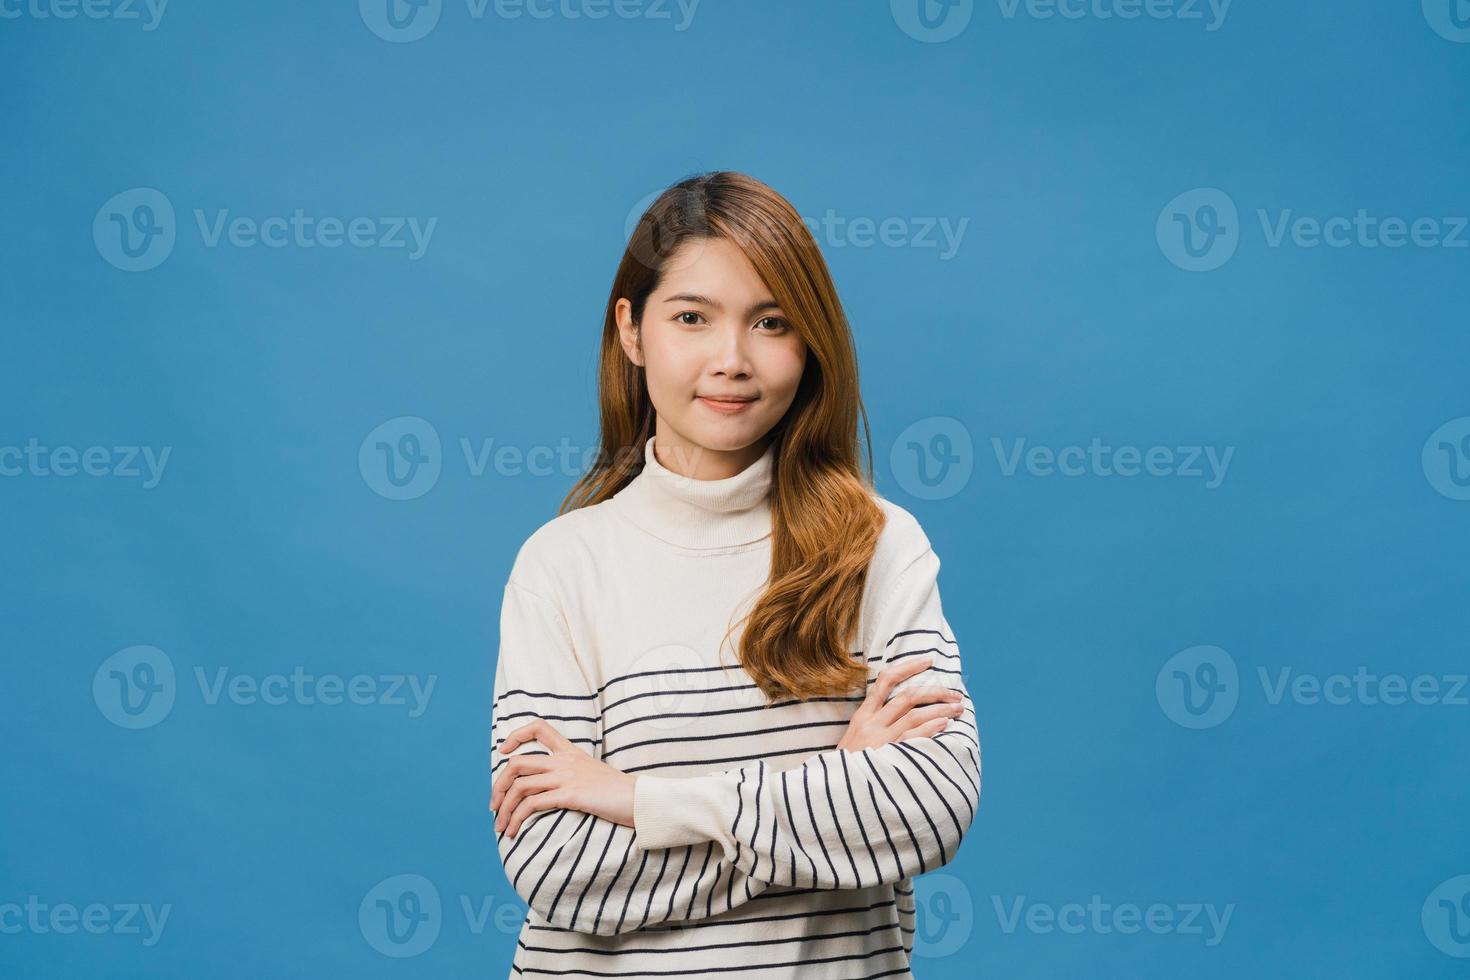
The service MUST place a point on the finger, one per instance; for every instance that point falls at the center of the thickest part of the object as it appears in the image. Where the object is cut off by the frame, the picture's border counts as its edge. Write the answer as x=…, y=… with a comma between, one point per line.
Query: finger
x=521, y=765
x=896, y=673
x=907, y=699
x=518, y=765
x=932, y=719
x=525, y=733
x=927, y=730
x=515, y=773
x=554, y=740
x=927, y=713
x=524, y=787
x=530, y=805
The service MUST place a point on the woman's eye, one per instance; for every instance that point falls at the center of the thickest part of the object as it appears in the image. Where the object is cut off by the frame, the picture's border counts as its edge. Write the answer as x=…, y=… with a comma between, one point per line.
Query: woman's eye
x=776, y=322
x=687, y=323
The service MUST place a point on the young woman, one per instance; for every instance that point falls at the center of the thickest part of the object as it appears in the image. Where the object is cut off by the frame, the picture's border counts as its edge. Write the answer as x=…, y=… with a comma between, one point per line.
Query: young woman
x=729, y=724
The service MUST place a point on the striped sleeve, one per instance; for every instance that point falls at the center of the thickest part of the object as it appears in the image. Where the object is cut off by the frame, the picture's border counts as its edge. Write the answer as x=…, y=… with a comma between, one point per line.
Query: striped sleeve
x=843, y=819
x=579, y=871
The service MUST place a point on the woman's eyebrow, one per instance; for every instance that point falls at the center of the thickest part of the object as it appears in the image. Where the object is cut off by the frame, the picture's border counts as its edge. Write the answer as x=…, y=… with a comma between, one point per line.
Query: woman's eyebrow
x=769, y=304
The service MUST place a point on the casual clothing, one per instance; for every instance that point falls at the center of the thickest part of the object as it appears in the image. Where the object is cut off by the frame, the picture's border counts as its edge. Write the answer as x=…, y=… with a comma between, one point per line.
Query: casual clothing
x=759, y=848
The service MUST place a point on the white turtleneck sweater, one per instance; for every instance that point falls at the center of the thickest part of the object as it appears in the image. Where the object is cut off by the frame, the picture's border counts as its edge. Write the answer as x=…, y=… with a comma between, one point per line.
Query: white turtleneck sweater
x=759, y=848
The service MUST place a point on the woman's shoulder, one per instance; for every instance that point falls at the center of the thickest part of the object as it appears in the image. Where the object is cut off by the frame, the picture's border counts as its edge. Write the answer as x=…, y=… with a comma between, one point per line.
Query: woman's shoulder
x=903, y=571
x=552, y=550
x=902, y=539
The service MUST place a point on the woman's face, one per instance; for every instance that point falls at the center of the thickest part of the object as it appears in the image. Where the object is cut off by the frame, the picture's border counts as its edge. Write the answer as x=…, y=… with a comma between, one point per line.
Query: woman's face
x=712, y=331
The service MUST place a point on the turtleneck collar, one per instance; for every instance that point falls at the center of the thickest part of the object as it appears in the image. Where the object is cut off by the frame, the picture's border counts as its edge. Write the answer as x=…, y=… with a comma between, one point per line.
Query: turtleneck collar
x=700, y=514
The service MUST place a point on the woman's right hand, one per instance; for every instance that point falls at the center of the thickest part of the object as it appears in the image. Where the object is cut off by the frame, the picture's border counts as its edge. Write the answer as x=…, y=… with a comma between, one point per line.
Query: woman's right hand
x=915, y=712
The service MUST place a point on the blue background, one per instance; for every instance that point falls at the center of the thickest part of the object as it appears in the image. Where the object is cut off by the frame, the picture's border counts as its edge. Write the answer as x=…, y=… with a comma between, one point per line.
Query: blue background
x=1061, y=317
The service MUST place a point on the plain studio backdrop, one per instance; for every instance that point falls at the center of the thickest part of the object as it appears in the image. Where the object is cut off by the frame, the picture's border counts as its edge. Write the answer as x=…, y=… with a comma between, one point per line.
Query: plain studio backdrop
x=1161, y=314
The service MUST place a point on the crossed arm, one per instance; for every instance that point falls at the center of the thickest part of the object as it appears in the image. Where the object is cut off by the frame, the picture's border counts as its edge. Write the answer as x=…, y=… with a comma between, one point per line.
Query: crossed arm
x=892, y=800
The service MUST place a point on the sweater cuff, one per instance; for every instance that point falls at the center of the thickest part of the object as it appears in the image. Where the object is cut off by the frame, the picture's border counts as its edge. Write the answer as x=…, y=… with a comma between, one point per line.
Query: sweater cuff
x=673, y=812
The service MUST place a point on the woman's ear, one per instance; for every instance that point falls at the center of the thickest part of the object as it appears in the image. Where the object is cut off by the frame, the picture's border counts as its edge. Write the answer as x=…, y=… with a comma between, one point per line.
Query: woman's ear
x=628, y=332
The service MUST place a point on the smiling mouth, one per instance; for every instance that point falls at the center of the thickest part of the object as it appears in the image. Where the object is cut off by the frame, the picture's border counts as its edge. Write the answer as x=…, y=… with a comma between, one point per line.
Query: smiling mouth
x=728, y=406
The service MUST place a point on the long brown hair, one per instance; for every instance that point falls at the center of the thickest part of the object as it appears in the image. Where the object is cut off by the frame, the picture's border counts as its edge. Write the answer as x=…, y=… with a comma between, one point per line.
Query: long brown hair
x=824, y=522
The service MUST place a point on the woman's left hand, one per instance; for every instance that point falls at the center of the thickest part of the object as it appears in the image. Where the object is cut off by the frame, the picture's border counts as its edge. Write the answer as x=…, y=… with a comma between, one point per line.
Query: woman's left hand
x=567, y=779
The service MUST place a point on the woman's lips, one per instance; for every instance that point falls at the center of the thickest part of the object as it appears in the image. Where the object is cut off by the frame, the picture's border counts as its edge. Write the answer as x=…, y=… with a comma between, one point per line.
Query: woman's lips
x=727, y=407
